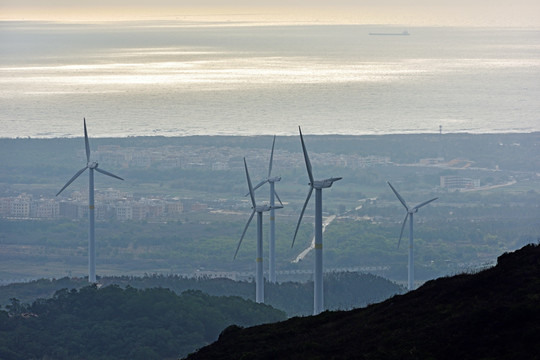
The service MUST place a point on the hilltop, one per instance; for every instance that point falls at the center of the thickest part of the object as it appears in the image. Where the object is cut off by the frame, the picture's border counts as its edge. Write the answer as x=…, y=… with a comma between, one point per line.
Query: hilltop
x=492, y=314
x=115, y=323
x=343, y=290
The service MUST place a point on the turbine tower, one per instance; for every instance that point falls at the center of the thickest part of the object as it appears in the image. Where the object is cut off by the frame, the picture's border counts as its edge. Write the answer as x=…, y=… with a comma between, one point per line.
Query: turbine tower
x=91, y=165
x=259, y=281
x=318, y=185
x=273, y=194
x=410, y=212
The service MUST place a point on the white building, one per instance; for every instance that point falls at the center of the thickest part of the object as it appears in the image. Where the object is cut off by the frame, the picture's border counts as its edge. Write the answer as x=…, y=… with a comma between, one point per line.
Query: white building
x=47, y=208
x=21, y=206
x=124, y=211
x=459, y=182
x=5, y=206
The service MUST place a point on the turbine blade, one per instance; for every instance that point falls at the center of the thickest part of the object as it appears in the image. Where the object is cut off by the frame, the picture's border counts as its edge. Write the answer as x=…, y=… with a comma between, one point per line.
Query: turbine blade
x=302, y=214
x=398, y=196
x=306, y=157
x=251, y=193
x=277, y=196
x=72, y=179
x=402, y=228
x=86, y=143
x=244, y=233
x=271, y=157
x=259, y=185
x=423, y=204
x=107, y=173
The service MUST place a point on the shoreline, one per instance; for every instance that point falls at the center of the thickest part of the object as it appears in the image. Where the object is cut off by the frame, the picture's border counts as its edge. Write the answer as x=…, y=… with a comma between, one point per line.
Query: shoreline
x=464, y=133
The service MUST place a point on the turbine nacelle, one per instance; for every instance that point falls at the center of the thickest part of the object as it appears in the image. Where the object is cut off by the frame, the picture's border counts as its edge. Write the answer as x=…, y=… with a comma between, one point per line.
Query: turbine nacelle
x=314, y=184
x=259, y=209
x=269, y=179
x=410, y=211
x=93, y=165
x=266, y=207
x=274, y=179
x=409, y=217
x=323, y=184
x=318, y=185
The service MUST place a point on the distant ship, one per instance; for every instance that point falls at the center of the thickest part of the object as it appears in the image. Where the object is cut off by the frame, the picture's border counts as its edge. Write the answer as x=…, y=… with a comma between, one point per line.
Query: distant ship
x=404, y=33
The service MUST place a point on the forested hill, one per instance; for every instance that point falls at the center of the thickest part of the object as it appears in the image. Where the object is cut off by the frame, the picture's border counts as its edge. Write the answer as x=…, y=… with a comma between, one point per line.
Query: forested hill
x=343, y=290
x=116, y=323
x=489, y=315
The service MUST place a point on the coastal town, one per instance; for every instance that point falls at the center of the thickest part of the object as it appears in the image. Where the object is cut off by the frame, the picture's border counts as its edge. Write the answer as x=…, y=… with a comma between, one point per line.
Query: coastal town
x=112, y=203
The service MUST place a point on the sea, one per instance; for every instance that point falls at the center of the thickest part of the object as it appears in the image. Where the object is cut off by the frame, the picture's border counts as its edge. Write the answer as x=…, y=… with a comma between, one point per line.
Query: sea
x=183, y=78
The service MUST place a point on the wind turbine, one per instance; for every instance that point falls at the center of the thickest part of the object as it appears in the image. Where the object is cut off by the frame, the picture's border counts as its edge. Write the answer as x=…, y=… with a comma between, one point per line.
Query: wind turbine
x=273, y=194
x=91, y=165
x=410, y=212
x=318, y=185
x=259, y=281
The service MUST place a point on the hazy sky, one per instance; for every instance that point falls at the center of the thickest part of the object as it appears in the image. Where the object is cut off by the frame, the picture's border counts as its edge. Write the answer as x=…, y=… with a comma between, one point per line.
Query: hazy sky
x=403, y=12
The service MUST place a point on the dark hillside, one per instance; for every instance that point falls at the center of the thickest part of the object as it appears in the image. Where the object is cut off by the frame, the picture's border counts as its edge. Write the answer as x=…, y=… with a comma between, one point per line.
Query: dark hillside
x=494, y=314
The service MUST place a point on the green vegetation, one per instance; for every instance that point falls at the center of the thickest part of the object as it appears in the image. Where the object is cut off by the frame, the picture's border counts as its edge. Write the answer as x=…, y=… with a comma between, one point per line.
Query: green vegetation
x=446, y=242
x=489, y=315
x=116, y=323
x=40, y=166
x=342, y=290
x=461, y=231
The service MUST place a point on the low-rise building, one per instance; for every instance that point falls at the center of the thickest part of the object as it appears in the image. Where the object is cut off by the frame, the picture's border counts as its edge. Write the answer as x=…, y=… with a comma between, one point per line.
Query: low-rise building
x=21, y=206
x=124, y=211
x=459, y=182
x=47, y=208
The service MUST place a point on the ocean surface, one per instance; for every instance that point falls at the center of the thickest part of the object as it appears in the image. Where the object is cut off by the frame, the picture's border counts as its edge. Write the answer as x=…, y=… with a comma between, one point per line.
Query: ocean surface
x=188, y=78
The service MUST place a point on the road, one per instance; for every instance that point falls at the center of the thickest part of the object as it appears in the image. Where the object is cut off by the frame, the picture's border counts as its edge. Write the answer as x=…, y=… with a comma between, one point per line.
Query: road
x=303, y=254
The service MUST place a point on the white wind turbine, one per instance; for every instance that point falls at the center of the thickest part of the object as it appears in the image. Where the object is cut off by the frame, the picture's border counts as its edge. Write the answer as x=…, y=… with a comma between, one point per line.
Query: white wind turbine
x=259, y=281
x=273, y=194
x=91, y=238
x=318, y=185
x=410, y=212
